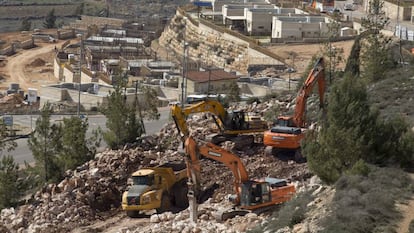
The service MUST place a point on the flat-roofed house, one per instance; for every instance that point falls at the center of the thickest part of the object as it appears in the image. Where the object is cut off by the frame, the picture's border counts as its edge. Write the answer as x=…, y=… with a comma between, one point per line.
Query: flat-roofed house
x=299, y=27
x=199, y=82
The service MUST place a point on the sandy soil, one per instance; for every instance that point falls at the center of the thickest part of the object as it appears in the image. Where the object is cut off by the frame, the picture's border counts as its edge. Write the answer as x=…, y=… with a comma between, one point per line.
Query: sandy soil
x=304, y=53
x=30, y=68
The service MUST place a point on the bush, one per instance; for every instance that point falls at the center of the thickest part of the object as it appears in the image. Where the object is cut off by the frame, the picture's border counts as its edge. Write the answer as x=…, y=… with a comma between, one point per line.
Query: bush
x=291, y=213
x=411, y=228
x=367, y=203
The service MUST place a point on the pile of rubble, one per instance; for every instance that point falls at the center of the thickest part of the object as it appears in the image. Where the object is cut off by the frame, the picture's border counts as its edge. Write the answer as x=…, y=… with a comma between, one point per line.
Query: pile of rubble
x=85, y=193
x=92, y=190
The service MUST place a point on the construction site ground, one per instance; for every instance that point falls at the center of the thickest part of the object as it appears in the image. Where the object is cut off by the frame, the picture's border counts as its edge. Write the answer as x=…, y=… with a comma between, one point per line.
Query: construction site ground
x=33, y=68
x=30, y=68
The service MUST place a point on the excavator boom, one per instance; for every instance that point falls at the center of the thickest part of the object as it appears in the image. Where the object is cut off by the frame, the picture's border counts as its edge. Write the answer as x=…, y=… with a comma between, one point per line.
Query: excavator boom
x=316, y=74
x=250, y=194
x=230, y=124
x=289, y=131
x=180, y=114
x=214, y=152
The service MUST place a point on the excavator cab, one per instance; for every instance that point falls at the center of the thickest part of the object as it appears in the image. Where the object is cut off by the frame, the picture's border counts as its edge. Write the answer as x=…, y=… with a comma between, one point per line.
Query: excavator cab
x=285, y=121
x=236, y=121
x=254, y=193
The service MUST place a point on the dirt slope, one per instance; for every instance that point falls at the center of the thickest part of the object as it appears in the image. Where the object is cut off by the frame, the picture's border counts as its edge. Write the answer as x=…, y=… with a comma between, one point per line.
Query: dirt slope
x=408, y=214
x=19, y=70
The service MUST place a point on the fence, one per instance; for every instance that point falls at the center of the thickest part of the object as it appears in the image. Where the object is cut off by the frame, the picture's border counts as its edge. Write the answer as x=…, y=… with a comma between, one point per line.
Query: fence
x=404, y=33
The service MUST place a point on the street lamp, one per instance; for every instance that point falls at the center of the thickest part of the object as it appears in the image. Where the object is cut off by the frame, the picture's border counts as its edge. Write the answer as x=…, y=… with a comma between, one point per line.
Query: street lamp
x=184, y=65
x=80, y=72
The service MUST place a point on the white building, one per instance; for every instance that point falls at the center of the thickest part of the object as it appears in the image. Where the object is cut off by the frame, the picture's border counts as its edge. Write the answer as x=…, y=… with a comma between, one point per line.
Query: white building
x=299, y=27
x=259, y=20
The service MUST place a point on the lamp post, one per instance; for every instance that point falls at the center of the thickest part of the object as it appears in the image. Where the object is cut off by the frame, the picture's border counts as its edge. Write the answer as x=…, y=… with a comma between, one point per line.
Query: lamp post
x=137, y=104
x=184, y=66
x=80, y=73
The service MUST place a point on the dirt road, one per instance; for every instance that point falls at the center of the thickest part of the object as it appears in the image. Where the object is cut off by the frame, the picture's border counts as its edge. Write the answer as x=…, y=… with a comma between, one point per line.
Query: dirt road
x=20, y=67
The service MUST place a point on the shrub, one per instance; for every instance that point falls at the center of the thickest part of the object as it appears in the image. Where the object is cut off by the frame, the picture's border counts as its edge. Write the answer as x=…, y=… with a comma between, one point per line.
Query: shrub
x=291, y=213
x=411, y=227
x=367, y=203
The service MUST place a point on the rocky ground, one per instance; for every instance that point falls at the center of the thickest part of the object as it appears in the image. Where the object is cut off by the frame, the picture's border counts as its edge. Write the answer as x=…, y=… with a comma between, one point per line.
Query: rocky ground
x=89, y=197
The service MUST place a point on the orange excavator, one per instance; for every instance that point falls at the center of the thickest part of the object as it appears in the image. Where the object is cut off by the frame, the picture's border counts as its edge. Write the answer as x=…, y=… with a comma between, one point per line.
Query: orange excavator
x=250, y=195
x=288, y=131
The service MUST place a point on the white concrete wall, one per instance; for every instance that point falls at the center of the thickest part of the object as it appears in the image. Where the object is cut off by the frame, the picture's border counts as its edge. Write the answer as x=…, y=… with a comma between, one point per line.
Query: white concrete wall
x=259, y=22
x=231, y=10
x=67, y=75
x=57, y=70
x=298, y=30
x=257, y=58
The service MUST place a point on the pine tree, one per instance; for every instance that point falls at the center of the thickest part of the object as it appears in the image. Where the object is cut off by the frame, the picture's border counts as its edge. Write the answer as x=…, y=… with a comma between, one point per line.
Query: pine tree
x=8, y=170
x=9, y=188
x=50, y=20
x=376, y=56
x=121, y=119
x=149, y=110
x=354, y=132
x=45, y=144
x=76, y=148
x=5, y=144
x=234, y=92
x=340, y=143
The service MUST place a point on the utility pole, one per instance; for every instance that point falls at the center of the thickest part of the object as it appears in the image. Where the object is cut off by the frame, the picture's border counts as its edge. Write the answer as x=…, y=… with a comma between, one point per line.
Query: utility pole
x=183, y=67
x=399, y=32
x=80, y=73
x=139, y=107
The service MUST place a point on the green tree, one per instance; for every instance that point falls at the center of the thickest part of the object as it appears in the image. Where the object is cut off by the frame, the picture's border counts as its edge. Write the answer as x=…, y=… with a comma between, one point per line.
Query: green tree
x=8, y=169
x=45, y=144
x=50, y=20
x=121, y=119
x=353, y=132
x=332, y=54
x=376, y=55
x=6, y=145
x=26, y=24
x=233, y=92
x=149, y=108
x=342, y=139
x=9, y=188
x=76, y=148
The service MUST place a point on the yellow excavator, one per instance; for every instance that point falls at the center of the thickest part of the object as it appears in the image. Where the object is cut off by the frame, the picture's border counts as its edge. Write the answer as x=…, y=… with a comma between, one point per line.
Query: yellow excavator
x=230, y=124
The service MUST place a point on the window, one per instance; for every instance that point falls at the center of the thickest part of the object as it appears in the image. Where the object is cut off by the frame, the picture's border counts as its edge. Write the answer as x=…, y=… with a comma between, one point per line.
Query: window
x=143, y=180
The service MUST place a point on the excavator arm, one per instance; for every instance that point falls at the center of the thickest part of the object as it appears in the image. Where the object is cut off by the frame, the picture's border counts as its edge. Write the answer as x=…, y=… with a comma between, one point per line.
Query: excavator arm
x=180, y=115
x=316, y=74
x=211, y=151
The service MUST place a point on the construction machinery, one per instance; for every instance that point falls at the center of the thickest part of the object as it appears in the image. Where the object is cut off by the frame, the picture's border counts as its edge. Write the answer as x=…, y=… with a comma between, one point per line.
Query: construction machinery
x=230, y=124
x=250, y=195
x=288, y=131
x=156, y=188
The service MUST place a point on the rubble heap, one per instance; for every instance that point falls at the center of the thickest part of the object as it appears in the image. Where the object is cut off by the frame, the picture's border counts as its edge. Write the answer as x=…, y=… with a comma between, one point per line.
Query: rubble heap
x=94, y=189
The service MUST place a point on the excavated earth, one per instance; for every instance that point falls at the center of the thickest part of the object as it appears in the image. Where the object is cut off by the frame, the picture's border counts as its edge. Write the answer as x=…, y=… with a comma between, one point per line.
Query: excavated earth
x=90, y=195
